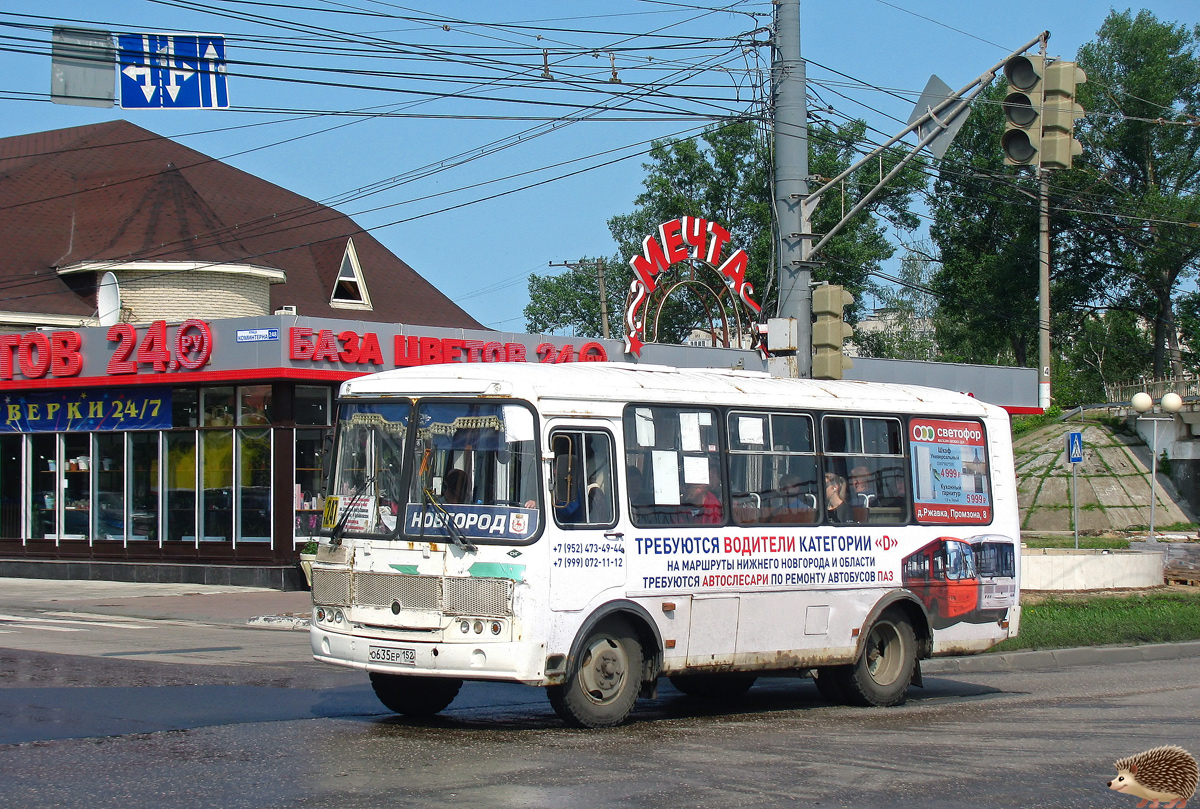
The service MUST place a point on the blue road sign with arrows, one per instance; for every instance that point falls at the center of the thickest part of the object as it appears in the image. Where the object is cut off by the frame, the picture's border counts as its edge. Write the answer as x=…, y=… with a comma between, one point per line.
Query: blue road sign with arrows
x=176, y=71
x=1075, y=447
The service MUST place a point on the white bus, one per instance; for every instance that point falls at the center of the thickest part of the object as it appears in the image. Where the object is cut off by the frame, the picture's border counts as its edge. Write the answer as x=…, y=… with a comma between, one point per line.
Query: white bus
x=590, y=527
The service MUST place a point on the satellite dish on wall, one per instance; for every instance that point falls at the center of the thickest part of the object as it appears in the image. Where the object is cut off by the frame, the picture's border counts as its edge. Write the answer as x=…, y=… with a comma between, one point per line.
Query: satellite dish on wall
x=108, y=300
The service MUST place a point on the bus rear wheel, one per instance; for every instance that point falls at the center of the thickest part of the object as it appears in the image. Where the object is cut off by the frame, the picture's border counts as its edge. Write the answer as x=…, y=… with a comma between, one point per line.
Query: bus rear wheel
x=414, y=696
x=884, y=670
x=713, y=686
x=605, y=680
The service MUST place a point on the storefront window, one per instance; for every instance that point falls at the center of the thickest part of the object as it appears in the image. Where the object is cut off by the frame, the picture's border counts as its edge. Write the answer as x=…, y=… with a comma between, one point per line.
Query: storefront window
x=44, y=450
x=255, y=405
x=185, y=407
x=77, y=486
x=143, y=486
x=255, y=485
x=312, y=405
x=10, y=486
x=310, y=503
x=109, y=475
x=217, y=404
x=181, y=487
x=216, y=475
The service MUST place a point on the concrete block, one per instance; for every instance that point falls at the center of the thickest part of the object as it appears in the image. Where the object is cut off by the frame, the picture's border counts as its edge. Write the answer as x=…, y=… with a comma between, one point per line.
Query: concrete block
x=1063, y=569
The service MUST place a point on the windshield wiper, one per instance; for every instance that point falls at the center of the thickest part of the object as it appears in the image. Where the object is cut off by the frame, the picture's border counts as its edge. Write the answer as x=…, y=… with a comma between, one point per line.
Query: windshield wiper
x=335, y=536
x=456, y=534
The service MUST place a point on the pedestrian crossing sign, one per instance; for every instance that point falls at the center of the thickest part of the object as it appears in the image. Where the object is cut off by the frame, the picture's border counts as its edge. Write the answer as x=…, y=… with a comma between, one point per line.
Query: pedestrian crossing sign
x=1075, y=447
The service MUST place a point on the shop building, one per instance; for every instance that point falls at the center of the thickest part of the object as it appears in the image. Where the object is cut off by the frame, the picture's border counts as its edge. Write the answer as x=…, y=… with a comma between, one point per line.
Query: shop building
x=136, y=426
x=165, y=451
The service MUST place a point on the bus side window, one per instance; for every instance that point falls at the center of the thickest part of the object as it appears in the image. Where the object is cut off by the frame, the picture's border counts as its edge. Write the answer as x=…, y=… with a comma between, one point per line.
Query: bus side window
x=582, y=478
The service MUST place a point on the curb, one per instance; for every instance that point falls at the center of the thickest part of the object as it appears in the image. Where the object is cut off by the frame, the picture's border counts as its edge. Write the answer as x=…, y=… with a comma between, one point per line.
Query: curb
x=285, y=622
x=1060, y=658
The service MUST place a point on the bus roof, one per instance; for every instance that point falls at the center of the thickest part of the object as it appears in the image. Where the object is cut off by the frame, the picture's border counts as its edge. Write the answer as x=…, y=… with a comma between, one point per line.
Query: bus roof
x=621, y=382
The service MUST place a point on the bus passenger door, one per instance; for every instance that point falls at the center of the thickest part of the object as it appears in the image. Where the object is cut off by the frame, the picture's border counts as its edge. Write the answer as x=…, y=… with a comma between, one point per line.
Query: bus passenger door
x=587, y=550
x=713, y=635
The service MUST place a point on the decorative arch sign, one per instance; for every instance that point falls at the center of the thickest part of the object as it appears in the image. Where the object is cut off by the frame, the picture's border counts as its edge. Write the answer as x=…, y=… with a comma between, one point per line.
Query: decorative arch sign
x=688, y=238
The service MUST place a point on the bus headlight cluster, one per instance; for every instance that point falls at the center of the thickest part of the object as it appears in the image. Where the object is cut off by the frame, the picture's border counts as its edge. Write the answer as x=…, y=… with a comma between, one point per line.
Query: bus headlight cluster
x=330, y=614
x=466, y=627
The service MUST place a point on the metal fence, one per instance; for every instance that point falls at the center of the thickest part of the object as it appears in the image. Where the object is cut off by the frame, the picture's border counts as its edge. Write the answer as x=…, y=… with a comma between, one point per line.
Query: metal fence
x=1185, y=386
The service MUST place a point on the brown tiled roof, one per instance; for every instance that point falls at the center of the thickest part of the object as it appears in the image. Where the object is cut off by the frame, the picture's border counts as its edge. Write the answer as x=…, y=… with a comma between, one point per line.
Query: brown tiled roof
x=117, y=192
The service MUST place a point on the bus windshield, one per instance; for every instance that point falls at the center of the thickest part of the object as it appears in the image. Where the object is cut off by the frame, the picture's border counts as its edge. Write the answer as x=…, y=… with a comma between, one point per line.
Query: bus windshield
x=370, y=463
x=475, y=464
x=473, y=473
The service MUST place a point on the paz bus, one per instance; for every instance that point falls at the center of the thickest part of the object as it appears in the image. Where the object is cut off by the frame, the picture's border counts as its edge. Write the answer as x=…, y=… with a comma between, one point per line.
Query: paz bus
x=942, y=575
x=591, y=527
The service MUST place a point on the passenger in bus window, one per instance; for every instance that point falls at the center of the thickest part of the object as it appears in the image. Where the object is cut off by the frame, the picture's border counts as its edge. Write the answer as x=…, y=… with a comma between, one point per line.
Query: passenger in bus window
x=862, y=488
x=837, y=510
x=704, y=505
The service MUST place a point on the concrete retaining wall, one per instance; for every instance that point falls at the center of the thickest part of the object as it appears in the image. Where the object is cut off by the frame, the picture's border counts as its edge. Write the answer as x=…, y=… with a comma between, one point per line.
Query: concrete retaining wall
x=1069, y=569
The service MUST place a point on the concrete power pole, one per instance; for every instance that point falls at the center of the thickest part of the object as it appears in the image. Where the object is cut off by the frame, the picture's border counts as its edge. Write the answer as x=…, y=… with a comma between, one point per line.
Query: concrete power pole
x=791, y=179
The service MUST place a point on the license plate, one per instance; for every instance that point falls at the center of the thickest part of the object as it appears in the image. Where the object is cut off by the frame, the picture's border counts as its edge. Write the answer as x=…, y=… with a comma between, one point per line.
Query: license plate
x=387, y=654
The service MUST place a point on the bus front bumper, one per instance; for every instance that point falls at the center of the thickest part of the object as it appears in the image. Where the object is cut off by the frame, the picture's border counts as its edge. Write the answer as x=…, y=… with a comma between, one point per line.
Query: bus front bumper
x=522, y=662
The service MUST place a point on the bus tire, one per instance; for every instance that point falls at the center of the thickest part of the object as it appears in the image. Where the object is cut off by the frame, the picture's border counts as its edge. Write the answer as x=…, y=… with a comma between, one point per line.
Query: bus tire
x=605, y=679
x=884, y=670
x=713, y=686
x=831, y=684
x=414, y=696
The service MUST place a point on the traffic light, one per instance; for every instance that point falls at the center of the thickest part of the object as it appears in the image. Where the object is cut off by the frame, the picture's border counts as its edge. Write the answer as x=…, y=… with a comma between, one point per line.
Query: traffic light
x=829, y=330
x=1022, y=138
x=1059, y=113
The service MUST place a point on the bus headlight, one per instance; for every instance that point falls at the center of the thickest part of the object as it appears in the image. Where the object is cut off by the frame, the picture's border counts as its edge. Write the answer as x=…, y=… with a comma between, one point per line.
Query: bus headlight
x=465, y=626
x=496, y=627
x=478, y=627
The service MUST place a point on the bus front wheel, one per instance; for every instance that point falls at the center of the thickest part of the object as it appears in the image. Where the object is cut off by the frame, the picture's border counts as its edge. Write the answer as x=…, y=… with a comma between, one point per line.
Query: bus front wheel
x=884, y=670
x=414, y=696
x=605, y=680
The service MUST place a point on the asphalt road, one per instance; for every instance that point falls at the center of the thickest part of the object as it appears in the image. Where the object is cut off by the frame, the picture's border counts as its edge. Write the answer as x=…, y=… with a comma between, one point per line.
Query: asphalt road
x=183, y=713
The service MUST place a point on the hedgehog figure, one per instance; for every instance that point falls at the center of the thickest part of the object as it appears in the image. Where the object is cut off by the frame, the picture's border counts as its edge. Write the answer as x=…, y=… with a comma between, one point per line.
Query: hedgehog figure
x=1166, y=774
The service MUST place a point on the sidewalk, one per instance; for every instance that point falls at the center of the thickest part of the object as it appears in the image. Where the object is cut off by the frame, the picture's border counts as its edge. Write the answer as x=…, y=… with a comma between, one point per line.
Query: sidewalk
x=275, y=609
x=199, y=603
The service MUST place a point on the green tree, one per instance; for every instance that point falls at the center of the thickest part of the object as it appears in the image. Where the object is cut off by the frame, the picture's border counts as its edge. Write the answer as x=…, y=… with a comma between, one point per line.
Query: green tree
x=986, y=231
x=724, y=176
x=905, y=317
x=1140, y=170
x=571, y=299
x=1107, y=348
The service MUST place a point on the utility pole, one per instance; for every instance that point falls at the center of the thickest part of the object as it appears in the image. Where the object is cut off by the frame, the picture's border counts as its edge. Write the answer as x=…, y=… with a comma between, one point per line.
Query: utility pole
x=1044, y=276
x=574, y=265
x=603, y=294
x=791, y=180
x=1044, y=289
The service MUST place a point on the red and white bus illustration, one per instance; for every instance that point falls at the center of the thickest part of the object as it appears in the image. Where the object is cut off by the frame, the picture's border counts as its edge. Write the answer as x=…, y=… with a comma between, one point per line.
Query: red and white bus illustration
x=996, y=564
x=942, y=575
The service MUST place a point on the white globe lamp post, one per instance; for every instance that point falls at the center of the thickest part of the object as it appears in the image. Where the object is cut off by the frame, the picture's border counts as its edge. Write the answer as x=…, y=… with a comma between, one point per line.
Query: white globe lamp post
x=1143, y=403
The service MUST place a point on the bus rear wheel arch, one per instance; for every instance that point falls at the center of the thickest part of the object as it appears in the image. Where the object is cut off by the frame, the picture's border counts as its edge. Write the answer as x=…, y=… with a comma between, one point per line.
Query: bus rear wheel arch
x=604, y=679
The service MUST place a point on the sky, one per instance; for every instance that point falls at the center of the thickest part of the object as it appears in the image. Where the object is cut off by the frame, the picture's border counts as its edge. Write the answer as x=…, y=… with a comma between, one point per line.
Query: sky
x=465, y=160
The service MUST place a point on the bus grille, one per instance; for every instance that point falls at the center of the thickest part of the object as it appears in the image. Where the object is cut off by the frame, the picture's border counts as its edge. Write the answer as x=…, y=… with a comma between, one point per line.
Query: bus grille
x=331, y=587
x=490, y=598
